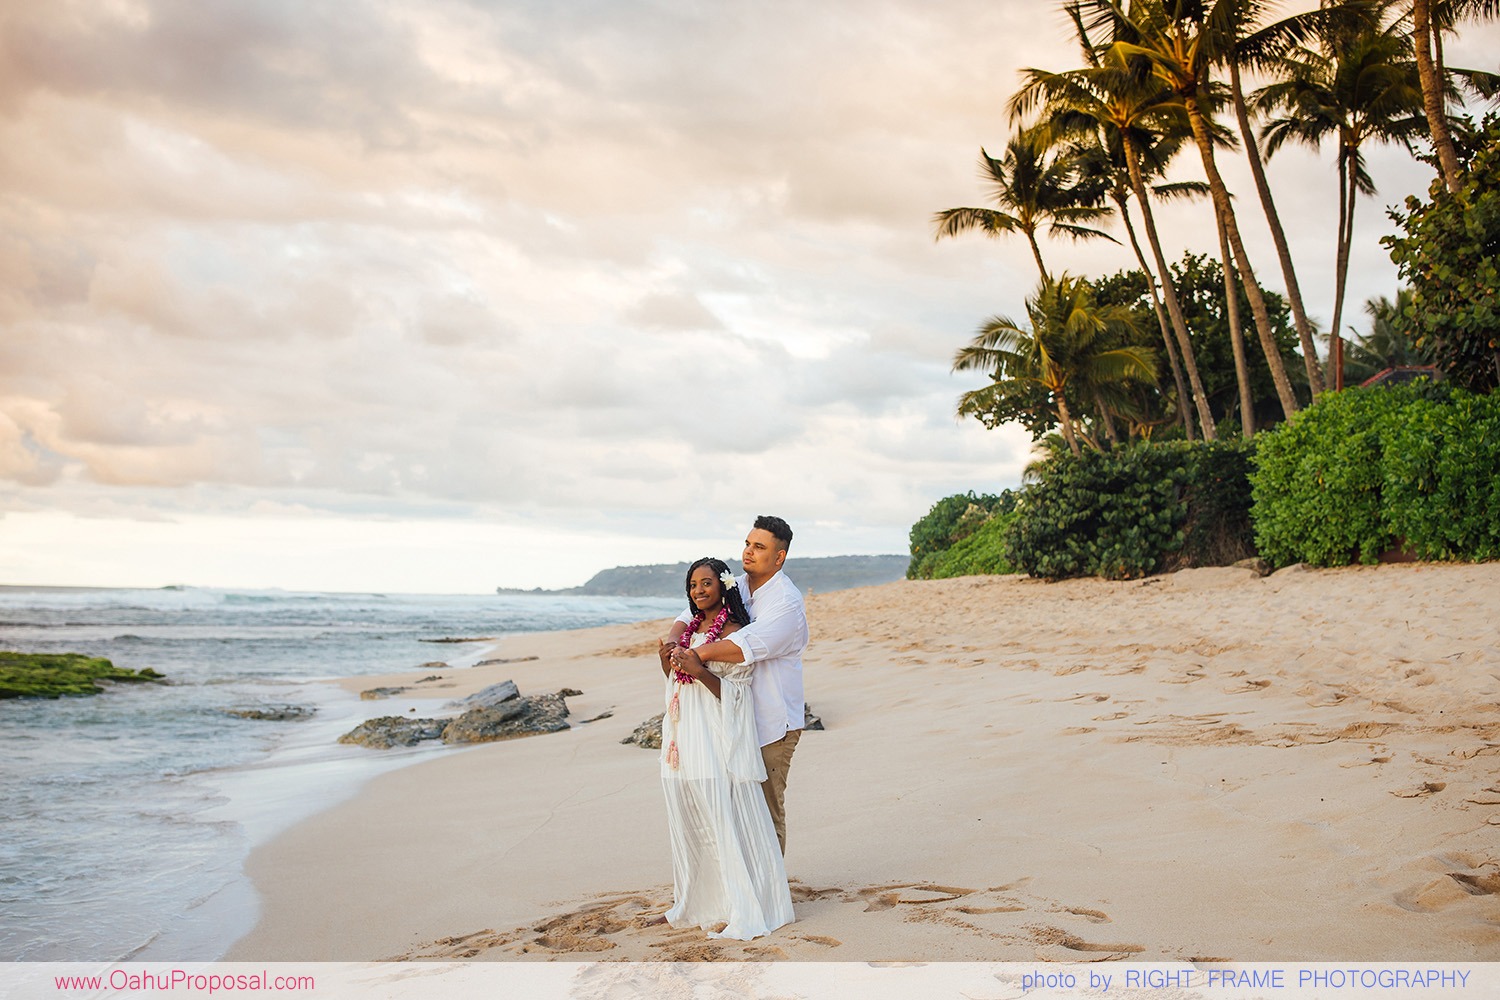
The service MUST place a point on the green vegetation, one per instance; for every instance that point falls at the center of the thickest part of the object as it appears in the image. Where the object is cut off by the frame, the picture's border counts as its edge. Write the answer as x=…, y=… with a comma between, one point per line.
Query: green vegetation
x=1366, y=471
x=980, y=553
x=1074, y=349
x=51, y=675
x=1118, y=514
x=962, y=535
x=1155, y=82
x=1340, y=476
x=1441, y=488
x=1199, y=281
x=1451, y=256
x=1134, y=512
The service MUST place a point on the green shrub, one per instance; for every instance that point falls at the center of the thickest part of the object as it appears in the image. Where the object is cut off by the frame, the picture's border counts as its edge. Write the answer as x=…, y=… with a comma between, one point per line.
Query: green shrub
x=1216, y=528
x=1449, y=252
x=1317, y=480
x=1368, y=470
x=1133, y=511
x=1441, y=477
x=950, y=521
x=982, y=552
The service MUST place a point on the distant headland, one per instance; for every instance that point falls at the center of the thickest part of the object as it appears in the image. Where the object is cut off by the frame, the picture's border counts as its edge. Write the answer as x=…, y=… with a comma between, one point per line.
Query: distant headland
x=813, y=575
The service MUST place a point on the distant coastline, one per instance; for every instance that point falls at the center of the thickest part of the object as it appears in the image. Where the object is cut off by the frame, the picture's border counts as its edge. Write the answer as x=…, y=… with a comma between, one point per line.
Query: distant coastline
x=813, y=575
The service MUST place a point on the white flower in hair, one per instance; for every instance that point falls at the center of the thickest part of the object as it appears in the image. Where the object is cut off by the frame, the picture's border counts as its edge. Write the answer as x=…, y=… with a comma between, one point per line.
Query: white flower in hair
x=726, y=578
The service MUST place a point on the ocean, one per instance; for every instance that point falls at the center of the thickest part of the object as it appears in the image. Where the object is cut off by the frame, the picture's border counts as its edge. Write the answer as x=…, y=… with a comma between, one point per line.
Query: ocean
x=128, y=815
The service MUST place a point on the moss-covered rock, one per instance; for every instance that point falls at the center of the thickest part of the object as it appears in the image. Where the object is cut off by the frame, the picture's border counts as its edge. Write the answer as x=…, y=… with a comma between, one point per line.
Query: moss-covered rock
x=52, y=675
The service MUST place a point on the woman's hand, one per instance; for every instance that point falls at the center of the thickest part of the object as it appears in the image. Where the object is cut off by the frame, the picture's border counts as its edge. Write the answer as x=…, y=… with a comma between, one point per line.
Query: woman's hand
x=664, y=649
x=687, y=661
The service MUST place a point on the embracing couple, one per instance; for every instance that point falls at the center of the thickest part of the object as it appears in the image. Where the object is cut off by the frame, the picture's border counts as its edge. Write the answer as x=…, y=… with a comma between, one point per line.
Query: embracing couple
x=733, y=666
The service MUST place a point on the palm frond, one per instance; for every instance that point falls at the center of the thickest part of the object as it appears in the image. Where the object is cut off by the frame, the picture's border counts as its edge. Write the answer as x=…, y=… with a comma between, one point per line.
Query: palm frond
x=954, y=221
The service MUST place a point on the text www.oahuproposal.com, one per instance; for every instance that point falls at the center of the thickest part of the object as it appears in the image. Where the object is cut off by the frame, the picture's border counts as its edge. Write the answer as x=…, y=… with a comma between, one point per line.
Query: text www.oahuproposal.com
x=125, y=981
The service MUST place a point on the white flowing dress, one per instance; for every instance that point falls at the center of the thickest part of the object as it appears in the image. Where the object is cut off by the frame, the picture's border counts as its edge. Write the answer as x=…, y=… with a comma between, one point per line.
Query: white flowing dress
x=726, y=863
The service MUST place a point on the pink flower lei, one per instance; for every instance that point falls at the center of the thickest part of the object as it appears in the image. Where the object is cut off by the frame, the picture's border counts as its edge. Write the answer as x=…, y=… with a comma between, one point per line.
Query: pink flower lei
x=711, y=635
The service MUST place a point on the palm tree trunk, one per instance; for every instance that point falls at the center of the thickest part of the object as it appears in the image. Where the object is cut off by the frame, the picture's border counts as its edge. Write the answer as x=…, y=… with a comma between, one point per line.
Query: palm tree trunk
x=1174, y=308
x=1247, y=270
x=1065, y=420
x=1183, y=411
x=1036, y=252
x=1106, y=419
x=1347, y=194
x=1278, y=235
x=1433, y=102
x=1237, y=338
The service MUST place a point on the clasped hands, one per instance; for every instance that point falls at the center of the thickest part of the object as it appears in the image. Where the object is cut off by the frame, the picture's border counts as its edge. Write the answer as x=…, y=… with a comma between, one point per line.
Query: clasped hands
x=680, y=658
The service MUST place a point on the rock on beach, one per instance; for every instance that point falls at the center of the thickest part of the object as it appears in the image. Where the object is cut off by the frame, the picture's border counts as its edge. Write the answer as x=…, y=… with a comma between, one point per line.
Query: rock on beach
x=499, y=712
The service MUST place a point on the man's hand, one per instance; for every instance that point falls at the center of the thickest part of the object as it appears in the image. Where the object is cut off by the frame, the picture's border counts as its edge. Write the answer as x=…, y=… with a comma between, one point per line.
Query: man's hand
x=687, y=661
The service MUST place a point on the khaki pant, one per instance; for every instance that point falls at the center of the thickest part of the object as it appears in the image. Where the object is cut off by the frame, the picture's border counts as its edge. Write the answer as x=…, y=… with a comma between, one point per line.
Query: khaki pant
x=778, y=759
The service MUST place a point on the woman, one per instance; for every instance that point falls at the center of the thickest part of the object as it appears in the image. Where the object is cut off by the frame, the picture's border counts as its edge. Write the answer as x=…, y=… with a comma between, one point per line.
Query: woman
x=726, y=866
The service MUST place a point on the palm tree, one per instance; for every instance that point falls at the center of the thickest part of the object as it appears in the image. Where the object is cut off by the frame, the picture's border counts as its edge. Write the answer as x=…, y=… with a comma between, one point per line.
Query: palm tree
x=1429, y=19
x=1255, y=47
x=1236, y=337
x=1032, y=188
x=1103, y=155
x=1066, y=352
x=1361, y=87
x=1434, y=102
x=1131, y=111
x=1180, y=40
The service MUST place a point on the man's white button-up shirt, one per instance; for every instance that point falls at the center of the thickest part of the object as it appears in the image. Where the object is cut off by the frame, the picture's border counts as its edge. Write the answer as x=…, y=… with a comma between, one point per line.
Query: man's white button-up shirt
x=773, y=642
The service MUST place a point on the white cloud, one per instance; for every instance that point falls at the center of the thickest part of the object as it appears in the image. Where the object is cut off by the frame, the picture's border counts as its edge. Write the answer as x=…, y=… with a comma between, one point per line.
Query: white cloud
x=606, y=278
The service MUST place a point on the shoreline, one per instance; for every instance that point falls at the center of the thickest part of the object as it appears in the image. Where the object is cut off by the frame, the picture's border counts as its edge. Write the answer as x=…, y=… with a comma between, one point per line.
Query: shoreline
x=303, y=773
x=1202, y=766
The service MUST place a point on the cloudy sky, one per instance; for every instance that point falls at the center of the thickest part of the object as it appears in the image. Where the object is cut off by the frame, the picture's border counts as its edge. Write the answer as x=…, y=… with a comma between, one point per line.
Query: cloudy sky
x=438, y=296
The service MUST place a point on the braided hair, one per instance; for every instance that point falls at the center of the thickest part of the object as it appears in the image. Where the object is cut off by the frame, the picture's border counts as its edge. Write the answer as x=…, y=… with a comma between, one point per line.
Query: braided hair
x=731, y=594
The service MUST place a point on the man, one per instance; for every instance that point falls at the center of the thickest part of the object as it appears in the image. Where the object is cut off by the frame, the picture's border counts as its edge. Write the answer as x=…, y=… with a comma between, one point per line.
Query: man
x=773, y=642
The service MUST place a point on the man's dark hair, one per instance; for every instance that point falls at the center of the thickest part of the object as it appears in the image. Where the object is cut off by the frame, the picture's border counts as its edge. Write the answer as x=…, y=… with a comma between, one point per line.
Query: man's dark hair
x=777, y=527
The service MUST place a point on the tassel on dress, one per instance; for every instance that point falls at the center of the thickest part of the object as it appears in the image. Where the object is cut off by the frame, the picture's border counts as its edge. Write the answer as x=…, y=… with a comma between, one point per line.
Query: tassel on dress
x=672, y=755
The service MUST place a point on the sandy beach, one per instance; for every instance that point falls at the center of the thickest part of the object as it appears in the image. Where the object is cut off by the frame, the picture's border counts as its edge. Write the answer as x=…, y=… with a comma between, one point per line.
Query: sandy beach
x=1202, y=766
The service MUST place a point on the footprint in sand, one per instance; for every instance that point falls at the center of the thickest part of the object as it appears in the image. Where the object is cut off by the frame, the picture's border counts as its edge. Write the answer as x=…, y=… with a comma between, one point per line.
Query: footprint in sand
x=1477, y=885
x=883, y=897
x=821, y=939
x=1421, y=791
x=1056, y=944
x=1431, y=897
x=807, y=894
x=1095, y=915
x=980, y=910
x=985, y=912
